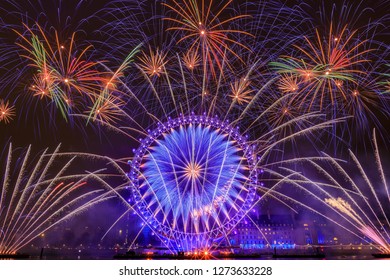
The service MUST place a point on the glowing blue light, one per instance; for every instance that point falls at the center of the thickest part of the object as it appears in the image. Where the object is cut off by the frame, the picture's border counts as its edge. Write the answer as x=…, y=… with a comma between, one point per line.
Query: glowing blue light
x=195, y=179
x=189, y=169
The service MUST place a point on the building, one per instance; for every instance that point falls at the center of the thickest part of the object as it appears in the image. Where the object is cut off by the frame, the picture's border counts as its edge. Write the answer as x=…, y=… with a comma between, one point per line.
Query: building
x=264, y=231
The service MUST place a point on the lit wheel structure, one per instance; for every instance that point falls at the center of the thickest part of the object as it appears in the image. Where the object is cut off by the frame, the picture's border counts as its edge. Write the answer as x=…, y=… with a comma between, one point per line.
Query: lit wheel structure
x=193, y=179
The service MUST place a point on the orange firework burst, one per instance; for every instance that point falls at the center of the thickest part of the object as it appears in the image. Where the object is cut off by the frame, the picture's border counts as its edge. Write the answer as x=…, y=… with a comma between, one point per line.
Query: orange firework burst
x=288, y=84
x=241, y=91
x=6, y=112
x=153, y=63
x=326, y=66
x=283, y=115
x=107, y=110
x=42, y=85
x=205, y=30
x=61, y=68
x=191, y=59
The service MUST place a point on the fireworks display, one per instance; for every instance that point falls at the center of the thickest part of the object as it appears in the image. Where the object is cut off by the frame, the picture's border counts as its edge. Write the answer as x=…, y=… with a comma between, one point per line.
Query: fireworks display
x=194, y=184
x=215, y=99
x=36, y=200
x=358, y=198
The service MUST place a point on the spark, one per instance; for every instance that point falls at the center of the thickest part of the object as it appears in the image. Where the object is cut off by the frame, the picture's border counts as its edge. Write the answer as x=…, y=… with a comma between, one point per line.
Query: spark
x=153, y=63
x=7, y=112
x=108, y=109
x=240, y=91
x=288, y=83
x=191, y=59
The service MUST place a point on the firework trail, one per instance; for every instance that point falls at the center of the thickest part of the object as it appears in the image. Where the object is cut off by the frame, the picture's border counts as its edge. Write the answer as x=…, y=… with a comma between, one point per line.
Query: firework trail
x=360, y=203
x=36, y=195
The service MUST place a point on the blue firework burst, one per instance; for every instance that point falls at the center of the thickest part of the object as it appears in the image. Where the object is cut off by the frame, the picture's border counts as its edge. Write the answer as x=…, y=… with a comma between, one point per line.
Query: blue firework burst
x=193, y=179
